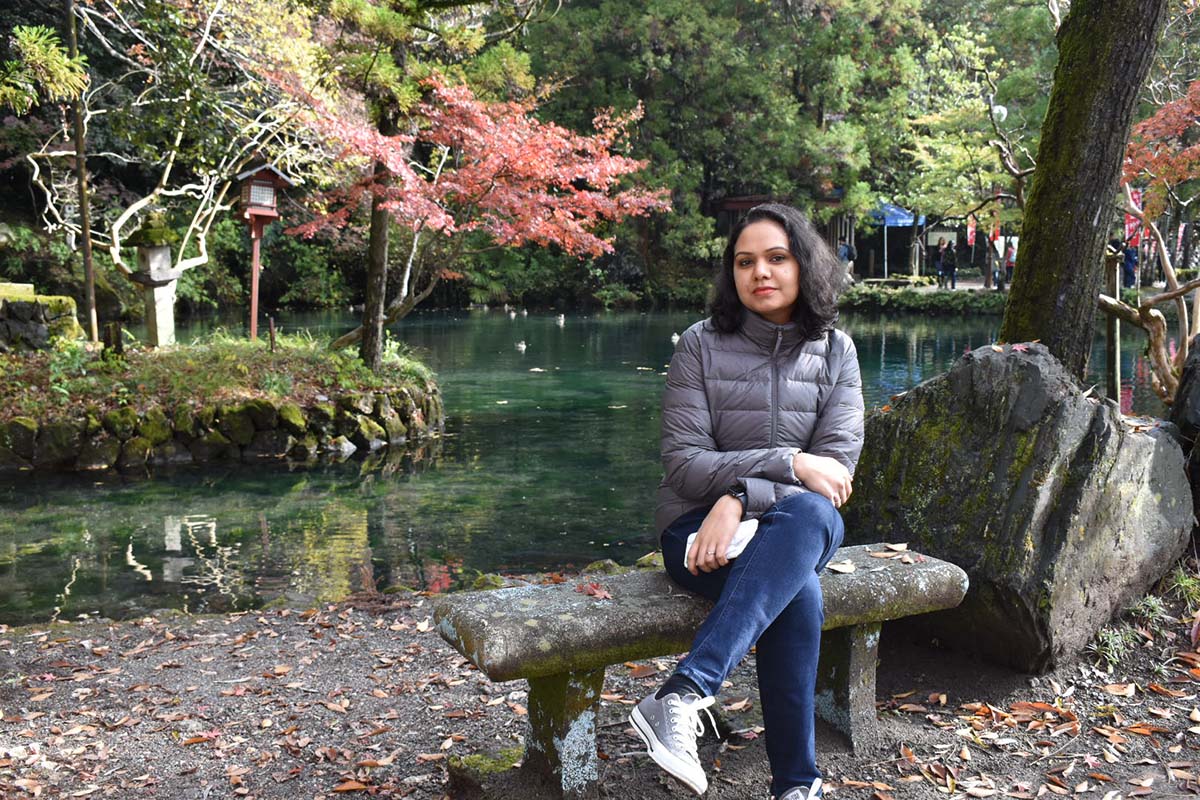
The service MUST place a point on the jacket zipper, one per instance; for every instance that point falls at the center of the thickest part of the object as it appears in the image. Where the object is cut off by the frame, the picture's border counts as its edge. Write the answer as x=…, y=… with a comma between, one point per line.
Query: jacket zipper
x=775, y=388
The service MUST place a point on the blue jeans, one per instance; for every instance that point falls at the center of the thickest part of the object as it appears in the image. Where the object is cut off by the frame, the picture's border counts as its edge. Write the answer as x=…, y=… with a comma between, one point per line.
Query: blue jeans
x=771, y=595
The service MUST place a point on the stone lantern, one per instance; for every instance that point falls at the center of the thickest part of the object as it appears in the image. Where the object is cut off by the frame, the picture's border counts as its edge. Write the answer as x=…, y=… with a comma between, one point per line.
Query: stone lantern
x=157, y=276
x=260, y=192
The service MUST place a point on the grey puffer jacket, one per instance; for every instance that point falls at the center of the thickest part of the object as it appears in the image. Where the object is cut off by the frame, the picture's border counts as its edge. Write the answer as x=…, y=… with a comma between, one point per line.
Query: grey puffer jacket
x=738, y=406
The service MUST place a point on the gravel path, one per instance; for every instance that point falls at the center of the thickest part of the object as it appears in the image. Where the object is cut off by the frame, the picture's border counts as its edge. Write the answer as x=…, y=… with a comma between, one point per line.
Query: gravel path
x=364, y=699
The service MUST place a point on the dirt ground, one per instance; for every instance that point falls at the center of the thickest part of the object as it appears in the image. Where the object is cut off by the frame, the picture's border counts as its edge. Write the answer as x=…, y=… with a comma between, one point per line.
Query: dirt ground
x=364, y=699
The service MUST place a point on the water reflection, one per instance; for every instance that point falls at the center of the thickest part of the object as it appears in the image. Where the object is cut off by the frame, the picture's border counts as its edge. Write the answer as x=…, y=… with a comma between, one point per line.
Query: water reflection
x=550, y=460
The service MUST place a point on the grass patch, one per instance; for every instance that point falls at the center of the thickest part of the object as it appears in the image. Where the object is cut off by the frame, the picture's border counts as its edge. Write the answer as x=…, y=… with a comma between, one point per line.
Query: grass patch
x=71, y=378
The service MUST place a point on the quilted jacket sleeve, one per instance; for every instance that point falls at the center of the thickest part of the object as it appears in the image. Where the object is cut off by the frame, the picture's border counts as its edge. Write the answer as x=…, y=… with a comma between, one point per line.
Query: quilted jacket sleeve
x=839, y=429
x=693, y=465
x=838, y=432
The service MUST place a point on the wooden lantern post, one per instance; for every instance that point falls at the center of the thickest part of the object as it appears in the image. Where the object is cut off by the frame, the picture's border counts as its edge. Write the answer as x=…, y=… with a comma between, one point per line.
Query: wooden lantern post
x=260, y=192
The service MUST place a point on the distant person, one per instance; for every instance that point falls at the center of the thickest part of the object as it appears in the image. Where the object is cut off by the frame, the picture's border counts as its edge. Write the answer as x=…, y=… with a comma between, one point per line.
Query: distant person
x=949, y=267
x=847, y=255
x=1010, y=261
x=1129, y=266
x=939, y=261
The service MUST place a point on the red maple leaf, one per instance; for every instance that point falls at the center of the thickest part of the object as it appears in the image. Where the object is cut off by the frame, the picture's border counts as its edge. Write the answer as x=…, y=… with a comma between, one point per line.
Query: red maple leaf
x=595, y=590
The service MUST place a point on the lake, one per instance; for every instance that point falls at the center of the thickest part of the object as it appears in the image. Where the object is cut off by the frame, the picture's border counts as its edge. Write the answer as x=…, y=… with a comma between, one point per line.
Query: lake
x=550, y=461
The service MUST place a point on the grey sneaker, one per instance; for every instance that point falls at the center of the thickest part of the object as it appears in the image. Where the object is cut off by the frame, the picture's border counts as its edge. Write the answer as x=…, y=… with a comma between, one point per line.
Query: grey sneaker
x=669, y=728
x=804, y=792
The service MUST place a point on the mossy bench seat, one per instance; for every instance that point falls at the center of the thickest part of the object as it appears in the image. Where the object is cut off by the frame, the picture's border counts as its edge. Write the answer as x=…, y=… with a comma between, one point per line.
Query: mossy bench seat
x=560, y=639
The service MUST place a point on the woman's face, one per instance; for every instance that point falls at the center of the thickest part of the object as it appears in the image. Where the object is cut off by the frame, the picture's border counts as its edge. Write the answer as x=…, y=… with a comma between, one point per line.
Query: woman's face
x=765, y=272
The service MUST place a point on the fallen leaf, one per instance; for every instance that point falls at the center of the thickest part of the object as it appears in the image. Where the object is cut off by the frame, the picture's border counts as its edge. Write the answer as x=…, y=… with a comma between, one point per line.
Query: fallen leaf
x=841, y=566
x=642, y=670
x=350, y=786
x=1121, y=689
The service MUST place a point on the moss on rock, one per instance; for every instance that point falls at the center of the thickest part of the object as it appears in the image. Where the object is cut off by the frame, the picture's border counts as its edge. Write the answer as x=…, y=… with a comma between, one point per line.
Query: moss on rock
x=99, y=452
x=605, y=566
x=121, y=422
x=58, y=444
x=469, y=773
x=650, y=561
x=305, y=448
x=20, y=433
x=237, y=425
x=357, y=402
x=262, y=413
x=367, y=433
x=185, y=423
x=134, y=453
x=207, y=416
x=488, y=580
x=212, y=446
x=291, y=419
x=155, y=427
x=321, y=417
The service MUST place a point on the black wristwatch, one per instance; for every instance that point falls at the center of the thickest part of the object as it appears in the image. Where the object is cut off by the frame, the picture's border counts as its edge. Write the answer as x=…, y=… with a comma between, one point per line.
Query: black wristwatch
x=737, y=491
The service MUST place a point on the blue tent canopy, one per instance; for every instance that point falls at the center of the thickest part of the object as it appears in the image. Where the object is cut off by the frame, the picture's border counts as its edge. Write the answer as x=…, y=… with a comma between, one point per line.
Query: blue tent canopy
x=893, y=216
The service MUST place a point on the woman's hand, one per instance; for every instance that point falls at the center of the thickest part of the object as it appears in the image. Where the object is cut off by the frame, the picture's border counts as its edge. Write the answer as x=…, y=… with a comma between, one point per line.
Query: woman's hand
x=823, y=475
x=712, y=540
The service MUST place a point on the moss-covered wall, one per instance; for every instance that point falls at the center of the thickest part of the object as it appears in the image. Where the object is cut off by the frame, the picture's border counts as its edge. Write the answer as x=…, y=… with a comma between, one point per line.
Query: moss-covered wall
x=28, y=320
x=352, y=423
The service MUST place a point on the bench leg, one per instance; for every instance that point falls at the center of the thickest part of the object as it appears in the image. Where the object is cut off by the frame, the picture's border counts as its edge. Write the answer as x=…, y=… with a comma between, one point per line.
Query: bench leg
x=561, y=743
x=845, y=695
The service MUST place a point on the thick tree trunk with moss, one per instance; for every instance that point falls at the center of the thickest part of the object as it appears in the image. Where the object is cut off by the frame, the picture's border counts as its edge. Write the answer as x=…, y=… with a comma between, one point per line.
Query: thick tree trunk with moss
x=1105, y=49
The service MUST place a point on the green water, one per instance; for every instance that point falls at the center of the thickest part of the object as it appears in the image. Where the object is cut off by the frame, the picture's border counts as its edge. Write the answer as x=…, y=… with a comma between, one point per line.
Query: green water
x=550, y=461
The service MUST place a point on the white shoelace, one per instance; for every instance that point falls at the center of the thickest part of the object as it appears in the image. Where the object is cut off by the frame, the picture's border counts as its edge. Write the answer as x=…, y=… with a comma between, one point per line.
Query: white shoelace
x=685, y=722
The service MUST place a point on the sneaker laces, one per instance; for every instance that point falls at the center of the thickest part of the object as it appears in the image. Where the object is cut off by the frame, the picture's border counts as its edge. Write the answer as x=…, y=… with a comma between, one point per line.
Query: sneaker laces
x=684, y=718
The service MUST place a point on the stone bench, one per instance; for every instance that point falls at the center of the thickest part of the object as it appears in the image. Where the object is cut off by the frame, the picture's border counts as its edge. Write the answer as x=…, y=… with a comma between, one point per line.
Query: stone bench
x=561, y=639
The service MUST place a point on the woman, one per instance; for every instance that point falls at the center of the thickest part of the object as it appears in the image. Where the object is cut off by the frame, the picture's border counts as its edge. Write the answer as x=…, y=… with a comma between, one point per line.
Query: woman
x=763, y=420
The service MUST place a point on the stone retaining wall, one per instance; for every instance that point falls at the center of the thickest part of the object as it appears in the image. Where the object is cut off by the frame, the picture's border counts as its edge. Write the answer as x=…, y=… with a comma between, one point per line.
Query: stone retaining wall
x=254, y=430
x=27, y=320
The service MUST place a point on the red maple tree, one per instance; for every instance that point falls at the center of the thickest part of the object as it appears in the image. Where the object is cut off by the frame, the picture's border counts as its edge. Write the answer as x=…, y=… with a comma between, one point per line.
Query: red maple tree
x=485, y=167
x=1164, y=150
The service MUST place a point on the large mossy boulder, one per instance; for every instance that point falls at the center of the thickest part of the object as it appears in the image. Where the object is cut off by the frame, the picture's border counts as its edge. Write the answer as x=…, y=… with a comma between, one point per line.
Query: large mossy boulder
x=212, y=446
x=237, y=424
x=19, y=435
x=155, y=427
x=99, y=452
x=121, y=422
x=134, y=453
x=1062, y=511
x=262, y=413
x=269, y=444
x=58, y=444
x=291, y=419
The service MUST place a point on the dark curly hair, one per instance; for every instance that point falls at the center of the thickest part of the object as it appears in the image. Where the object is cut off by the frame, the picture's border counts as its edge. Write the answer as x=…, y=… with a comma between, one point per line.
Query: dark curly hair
x=821, y=274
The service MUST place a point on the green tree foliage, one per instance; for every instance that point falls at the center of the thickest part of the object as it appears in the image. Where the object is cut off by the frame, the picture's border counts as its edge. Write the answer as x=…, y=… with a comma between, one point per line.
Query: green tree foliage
x=42, y=70
x=741, y=99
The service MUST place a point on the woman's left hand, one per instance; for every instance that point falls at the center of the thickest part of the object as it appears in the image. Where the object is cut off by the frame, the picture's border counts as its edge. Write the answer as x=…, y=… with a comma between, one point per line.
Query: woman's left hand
x=715, y=534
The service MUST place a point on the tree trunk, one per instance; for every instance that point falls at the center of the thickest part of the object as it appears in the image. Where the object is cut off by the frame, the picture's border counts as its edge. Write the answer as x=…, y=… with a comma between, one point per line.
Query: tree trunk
x=1105, y=49
x=85, y=216
x=371, y=347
